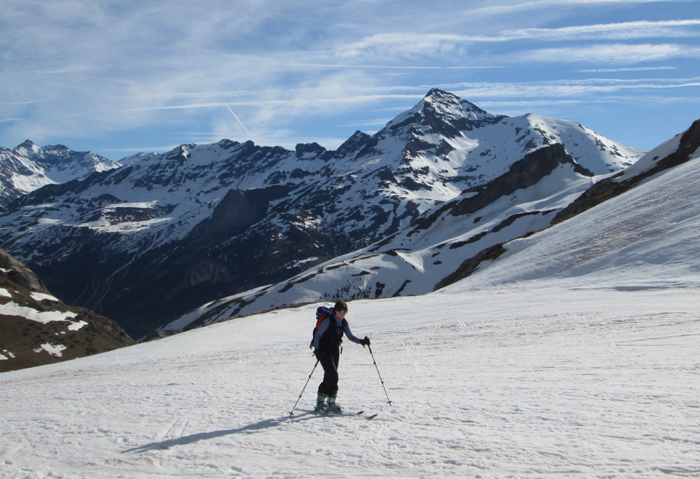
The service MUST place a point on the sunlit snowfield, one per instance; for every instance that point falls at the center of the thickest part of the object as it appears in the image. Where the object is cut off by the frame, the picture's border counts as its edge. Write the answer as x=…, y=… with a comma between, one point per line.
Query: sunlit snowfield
x=504, y=382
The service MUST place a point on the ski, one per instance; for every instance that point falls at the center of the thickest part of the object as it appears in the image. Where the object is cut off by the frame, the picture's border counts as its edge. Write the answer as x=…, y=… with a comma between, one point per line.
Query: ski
x=343, y=413
x=359, y=413
x=352, y=413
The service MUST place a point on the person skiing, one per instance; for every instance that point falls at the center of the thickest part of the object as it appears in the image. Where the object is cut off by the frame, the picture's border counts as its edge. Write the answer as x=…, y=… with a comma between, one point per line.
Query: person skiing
x=327, y=350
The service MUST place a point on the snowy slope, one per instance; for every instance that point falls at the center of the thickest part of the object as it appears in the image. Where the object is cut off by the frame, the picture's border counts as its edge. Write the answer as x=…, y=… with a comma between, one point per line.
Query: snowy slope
x=638, y=240
x=490, y=384
x=60, y=164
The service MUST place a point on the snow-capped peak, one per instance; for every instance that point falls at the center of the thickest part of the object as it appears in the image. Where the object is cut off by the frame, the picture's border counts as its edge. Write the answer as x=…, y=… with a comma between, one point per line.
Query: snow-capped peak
x=28, y=149
x=28, y=167
x=451, y=106
x=443, y=113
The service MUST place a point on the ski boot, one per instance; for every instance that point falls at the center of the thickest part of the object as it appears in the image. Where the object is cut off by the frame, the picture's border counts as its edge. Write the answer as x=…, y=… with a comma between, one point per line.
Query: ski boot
x=333, y=406
x=321, y=405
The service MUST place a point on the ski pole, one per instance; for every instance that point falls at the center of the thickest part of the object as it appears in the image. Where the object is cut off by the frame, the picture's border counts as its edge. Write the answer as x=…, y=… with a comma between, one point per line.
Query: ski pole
x=302, y=391
x=380, y=376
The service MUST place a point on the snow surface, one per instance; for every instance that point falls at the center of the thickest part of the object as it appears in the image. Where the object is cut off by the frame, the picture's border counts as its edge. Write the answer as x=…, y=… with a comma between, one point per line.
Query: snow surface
x=42, y=296
x=649, y=160
x=29, y=167
x=78, y=325
x=498, y=383
x=53, y=349
x=14, y=309
x=574, y=354
x=5, y=354
x=644, y=238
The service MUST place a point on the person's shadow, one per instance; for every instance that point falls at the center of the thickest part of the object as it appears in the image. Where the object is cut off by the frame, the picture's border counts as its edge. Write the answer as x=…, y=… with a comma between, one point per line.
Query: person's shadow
x=203, y=436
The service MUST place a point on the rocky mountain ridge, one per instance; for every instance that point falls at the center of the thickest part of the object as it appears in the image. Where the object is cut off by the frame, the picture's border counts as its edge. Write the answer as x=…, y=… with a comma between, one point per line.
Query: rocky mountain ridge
x=28, y=167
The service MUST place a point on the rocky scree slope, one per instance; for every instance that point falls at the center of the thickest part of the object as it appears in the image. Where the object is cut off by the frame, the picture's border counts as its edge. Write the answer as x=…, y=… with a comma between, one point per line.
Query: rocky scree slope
x=36, y=328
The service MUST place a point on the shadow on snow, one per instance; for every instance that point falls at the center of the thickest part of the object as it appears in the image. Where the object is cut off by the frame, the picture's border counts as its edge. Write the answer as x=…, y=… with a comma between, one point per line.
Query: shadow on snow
x=203, y=436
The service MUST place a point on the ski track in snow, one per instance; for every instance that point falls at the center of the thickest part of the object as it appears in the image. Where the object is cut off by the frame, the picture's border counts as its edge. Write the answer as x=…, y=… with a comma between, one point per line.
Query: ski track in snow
x=504, y=382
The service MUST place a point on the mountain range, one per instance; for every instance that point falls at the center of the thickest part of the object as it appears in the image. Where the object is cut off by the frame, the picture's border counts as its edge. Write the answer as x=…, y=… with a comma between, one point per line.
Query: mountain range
x=401, y=212
x=29, y=167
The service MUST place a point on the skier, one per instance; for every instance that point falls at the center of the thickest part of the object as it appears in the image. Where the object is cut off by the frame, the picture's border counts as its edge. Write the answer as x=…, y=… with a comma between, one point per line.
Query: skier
x=327, y=351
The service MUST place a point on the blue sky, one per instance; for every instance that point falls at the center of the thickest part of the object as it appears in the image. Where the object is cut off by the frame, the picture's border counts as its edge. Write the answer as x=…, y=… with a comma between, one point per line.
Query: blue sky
x=120, y=77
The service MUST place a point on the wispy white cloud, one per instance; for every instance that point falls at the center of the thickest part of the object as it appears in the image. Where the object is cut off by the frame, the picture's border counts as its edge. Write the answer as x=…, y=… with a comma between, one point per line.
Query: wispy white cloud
x=619, y=53
x=521, y=105
x=410, y=45
x=375, y=122
x=510, y=8
x=609, y=31
x=581, y=89
x=294, y=102
x=393, y=45
x=361, y=96
x=140, y=149
x=390, y=67
x=432, y=42
x=628, y=69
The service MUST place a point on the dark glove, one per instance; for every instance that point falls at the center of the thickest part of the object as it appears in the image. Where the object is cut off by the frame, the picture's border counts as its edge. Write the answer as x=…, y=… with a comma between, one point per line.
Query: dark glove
x=365, y=342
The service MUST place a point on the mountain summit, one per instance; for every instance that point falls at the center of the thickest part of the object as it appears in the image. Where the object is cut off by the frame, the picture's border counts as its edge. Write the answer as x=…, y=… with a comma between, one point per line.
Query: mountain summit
x=445, y=114
x=29, y=167
x=166, y=233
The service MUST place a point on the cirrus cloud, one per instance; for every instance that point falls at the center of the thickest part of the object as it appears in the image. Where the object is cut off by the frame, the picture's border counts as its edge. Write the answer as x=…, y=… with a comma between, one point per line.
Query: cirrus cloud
x=617, y=53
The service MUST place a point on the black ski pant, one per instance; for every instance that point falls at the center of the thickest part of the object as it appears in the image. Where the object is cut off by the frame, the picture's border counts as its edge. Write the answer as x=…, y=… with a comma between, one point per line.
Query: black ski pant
x=329, y=361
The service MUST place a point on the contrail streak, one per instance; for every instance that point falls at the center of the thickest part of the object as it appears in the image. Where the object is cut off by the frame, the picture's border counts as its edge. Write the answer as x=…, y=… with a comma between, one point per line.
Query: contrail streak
x=238, y=119
x=211, y=85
